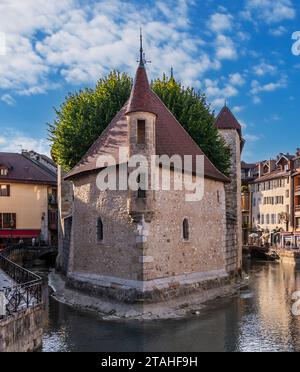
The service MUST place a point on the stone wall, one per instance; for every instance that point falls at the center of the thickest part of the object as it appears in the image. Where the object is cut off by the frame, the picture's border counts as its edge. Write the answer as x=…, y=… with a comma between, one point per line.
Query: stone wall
x=115, y=255
x=22, y=332
x=234, y=239
x=169, y=254
x=139, y=258
x=65, y=208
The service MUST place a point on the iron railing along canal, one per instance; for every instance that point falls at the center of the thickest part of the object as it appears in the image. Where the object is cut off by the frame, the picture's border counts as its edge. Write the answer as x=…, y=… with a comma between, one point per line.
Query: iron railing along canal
x=28, y=289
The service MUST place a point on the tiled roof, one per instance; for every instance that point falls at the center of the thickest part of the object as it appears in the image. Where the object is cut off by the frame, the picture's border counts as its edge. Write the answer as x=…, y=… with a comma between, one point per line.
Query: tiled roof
x=248, y=165
x=226, y=120
x=22, y=169
x=171, y=137
x=273, y=175
x=141, y=97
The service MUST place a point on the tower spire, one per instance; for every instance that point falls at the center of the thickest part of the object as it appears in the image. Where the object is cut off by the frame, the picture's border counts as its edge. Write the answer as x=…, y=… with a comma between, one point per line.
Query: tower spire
x=142, y=60
x=141, y=49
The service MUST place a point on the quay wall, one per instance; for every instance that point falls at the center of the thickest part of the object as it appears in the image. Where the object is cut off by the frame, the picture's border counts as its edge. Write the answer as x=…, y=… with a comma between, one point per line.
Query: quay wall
x=22, y=332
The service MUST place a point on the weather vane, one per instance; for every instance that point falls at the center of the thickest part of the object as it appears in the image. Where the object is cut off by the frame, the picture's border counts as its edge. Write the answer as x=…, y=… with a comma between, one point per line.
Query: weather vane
x=142, y=60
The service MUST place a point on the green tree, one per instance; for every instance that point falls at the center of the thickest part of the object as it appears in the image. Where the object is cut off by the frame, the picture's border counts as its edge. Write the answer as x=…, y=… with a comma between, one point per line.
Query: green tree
x=193, y=112
x=84, y=115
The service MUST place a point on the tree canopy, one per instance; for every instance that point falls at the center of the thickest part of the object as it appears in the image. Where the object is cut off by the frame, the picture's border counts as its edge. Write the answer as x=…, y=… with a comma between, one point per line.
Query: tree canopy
x=83, y=116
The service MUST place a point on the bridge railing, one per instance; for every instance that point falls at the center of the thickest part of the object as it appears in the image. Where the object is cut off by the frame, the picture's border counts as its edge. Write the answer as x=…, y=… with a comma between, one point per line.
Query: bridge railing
x=27, y=292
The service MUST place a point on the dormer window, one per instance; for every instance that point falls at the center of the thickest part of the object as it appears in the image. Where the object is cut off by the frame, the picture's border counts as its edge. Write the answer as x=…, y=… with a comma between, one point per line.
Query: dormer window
x=3, y=171
x=141, y=132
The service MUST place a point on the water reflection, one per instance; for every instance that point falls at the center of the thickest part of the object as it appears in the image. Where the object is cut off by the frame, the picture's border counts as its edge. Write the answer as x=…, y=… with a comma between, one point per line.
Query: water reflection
x=259, y=319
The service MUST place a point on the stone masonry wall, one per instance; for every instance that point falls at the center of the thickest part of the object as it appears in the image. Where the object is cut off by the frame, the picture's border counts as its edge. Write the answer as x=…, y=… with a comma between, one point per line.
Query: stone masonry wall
x=155, y=257
x=233, y=204
x=205, y=250
x=22, y=332
x=116, y=255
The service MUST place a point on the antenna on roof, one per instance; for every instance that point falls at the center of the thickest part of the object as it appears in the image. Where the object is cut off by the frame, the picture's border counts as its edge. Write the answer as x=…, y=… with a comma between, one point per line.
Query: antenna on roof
x=225, y=102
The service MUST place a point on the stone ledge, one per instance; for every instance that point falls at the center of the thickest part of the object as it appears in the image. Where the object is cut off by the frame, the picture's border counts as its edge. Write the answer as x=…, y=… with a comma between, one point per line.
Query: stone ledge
x=130, y=291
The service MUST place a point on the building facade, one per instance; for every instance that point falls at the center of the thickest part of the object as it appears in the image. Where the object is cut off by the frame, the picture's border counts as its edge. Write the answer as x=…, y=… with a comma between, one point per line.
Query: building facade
x=148, y=245
x=270, y=198
x=249, y=174
x=28, y=199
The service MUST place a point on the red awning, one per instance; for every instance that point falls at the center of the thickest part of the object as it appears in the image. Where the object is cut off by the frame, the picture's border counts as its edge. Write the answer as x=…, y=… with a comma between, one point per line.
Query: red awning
x=20, y=234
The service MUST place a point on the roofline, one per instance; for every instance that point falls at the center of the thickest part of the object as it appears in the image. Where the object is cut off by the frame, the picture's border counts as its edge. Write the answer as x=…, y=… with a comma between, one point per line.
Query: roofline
x=83, y=173
x=264, y=178
x=34, y=182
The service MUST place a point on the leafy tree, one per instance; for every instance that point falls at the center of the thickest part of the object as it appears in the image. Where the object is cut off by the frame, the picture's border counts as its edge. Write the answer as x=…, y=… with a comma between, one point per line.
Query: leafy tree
x=193, y=113
x=84, y=115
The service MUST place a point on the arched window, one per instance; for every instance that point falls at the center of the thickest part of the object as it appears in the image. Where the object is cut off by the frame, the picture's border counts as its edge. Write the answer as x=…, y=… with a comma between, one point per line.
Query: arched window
x=99, y=230
x=185, y=229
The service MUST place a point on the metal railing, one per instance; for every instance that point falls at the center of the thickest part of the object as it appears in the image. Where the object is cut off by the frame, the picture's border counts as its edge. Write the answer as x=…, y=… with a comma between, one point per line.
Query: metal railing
x=27, y=292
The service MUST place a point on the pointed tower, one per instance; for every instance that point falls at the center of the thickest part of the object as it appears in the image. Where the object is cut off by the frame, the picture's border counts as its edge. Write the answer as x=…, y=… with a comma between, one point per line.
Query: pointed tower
x=141, y=119
x=231, y=130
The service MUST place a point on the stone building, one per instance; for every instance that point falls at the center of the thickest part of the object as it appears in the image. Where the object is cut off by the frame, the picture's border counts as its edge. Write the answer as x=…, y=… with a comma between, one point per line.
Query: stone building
x=152, y=245
x=231, y=130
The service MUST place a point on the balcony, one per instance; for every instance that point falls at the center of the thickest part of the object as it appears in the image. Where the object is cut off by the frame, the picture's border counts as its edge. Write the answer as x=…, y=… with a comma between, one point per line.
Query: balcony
x=297, y=190
x=297, y=208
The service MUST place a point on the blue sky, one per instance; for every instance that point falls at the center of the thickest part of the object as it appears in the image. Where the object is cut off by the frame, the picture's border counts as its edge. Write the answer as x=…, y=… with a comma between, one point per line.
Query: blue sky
x=240, y=51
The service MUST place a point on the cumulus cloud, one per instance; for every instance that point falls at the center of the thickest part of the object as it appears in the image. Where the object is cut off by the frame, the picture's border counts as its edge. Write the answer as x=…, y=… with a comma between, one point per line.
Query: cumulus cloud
x=236, y=79
x=220, y=22
x=257, y=87
x=8, y=99
x=14, y=141
x=264, y=68
x=78, y=42
x=269, y=11
x=218, y=92
x=225, y=48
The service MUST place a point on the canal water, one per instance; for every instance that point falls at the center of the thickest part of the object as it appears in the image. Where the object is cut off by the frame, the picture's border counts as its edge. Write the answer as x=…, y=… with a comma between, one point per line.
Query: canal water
x=258, y=319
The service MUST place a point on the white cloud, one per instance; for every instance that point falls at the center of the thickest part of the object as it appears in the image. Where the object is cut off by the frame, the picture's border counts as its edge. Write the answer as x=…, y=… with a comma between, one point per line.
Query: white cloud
x=256, y=87
x=220, y=22
x=238, y=109
x=251, y=137
x=225, y=48
x=279, y=31
x=236, y=79
x=79, y=42
x=264, y=68
x=8, y=99
x=14, y=141
x=269, y=11
x=218, y=93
